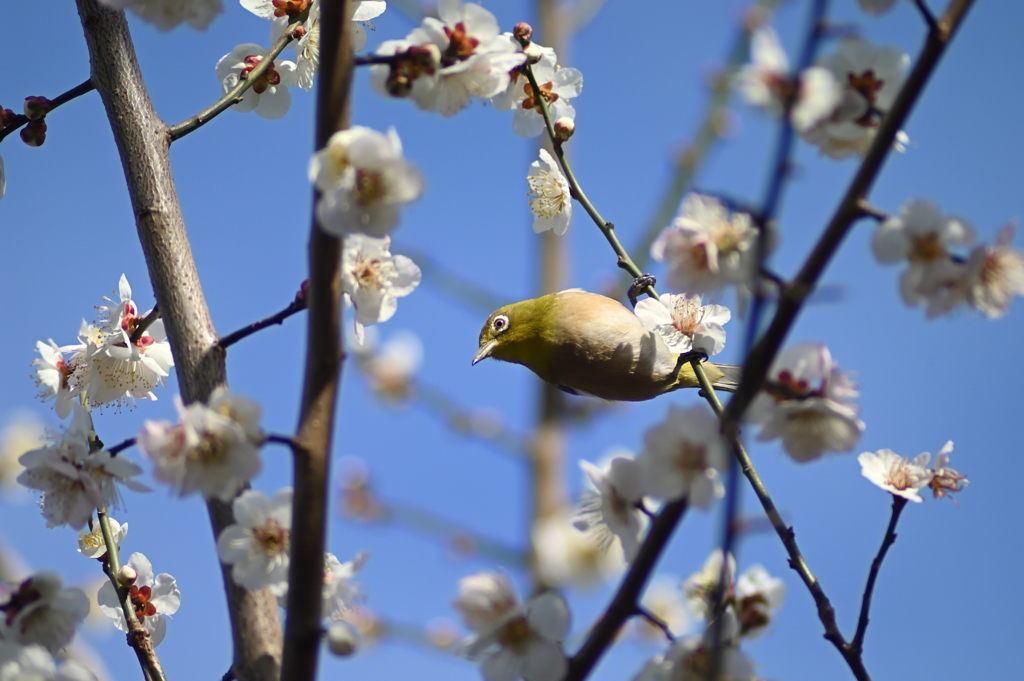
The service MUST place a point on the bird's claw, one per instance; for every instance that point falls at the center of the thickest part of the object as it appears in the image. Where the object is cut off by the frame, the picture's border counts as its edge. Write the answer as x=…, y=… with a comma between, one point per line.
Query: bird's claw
x=638, y=285
x=692, y=355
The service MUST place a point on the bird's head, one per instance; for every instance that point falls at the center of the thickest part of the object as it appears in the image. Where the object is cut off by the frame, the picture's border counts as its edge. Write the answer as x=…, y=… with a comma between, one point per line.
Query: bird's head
x=509, y=334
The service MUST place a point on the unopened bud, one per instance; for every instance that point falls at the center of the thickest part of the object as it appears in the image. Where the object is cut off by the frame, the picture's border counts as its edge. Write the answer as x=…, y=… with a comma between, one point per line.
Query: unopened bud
x=127, y=575
x=37, y=107
x=6, y=116
x=522, y=32
x=564, y=128
x=342, y=639
x=34, y=134
x=533, y=53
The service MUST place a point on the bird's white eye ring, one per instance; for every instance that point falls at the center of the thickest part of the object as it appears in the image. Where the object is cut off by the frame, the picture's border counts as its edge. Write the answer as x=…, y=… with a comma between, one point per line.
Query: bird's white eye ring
x=500, y=324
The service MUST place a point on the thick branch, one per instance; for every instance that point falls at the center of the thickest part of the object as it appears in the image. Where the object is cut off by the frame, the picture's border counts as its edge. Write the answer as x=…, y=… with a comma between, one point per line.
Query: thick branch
x=143, y=143
x=324, y=353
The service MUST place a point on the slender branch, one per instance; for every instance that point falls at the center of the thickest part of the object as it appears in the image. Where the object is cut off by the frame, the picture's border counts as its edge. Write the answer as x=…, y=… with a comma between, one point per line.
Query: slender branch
x=144, y=146
x=869, y=211
x=452, y=284
x=927, y=15
x=296, y=306
x=826, y=613
x=448, y=410
x=793, y=296
x=286, y=440
x=138, y=636
x=21, y=119
x=121, y=446
x=457, y=536
x=234, y=95
x=656, y=621
x=607, y=228
x=624, y=603
x=898, y=504
x=146, y=322
x=324, y=354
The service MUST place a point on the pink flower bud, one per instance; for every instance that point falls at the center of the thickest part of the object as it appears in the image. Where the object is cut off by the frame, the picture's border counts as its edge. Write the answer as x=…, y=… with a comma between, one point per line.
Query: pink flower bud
x=564, y=128
x=523, y=32
x=37, y=107
x=127, y=575
x=34, y=134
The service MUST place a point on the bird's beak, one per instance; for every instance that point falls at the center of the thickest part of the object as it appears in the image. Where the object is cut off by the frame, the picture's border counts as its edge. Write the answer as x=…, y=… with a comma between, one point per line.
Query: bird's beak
x=485, y=350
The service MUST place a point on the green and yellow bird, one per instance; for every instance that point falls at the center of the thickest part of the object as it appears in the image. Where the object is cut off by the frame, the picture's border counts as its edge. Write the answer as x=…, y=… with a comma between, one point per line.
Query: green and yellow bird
x=589, y=344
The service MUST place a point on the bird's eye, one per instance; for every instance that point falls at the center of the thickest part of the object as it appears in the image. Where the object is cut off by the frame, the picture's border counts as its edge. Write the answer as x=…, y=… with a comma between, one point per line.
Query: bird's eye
x=500, y=323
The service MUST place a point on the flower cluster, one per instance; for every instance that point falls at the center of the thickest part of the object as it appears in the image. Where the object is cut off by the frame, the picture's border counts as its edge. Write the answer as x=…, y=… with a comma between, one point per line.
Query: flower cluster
x=987, y=278
x=684, y=323
x=213, y=449
x=117, y=360
x=152, y=597
x=74, y=479
x=905, y=477
x=739, y=609
x=707, y=247
x=683, y=457
x=168, y=14
x=41, y=612
x=807, y=402
x=36, y=663
x=390, y=368
x=513, y=640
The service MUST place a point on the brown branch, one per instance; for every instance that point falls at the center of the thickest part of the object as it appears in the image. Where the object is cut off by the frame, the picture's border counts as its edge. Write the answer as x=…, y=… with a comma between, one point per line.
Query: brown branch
x=624, y=603
x=21, y=119
x=324, y=354
x=792, y=298
x=898, y=504
x=143, y=143
x=296, y=306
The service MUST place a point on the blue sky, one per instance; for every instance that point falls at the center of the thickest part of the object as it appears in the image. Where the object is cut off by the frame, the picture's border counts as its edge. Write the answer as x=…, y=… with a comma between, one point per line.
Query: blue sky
x=68, y=235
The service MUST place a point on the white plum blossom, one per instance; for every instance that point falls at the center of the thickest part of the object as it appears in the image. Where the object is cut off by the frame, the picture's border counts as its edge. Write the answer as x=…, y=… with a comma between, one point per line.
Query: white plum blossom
x=42, y=612
x=342, y=638
x=364, y=182
x=565, y=556
x=550, y=195
x=807, y=402
x=664, y=599
x=897, y=475
x=706, y=247
x=413, y=75
x=112, y=368
x=699, y=588
x=168, y=14
x=684, y=323
x=757, y=596
x=35, y=663
x=307, y=48
x=52, y=376
x=391, y=368
x=690, y=659
x=870, y=78
x=683, y=457
x=994, y=275
x=268, y=96
x=921, y=235
x=152, y=599
x=23, y=432
x=946, y=480
x=475, y=59
x=557, y=86
x=73, y=480
x=257, y=544
x=767, y=83
x=609, y=509
x=373, y=280
x=212, y=450
x=340, y=592
x=90, y=538
x=513, y=641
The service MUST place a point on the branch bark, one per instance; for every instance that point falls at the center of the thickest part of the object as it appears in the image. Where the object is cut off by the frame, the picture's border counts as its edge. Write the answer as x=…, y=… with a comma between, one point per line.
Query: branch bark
x=324, y=355
x=143, y=143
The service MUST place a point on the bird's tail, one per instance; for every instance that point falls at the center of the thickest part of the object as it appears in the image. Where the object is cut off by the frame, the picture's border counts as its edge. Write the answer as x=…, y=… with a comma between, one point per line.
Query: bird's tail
x=730, y=380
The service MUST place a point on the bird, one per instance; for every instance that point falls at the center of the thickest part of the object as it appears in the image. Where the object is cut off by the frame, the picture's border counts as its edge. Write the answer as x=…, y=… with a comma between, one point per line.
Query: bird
x=590, y=344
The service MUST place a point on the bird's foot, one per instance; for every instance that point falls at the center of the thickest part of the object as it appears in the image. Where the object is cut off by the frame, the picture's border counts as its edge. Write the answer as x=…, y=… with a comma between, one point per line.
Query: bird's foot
x=687, y=357
x=638, y=285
